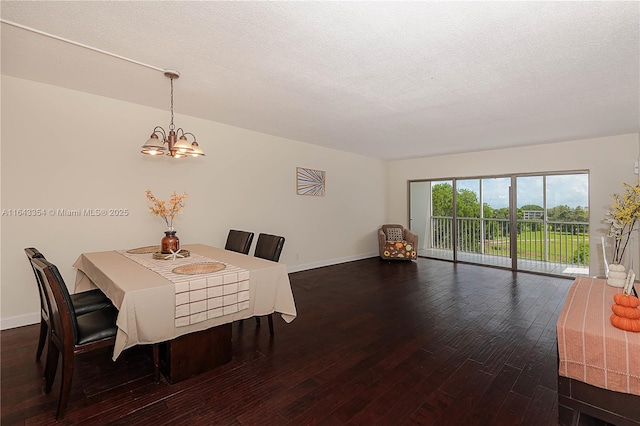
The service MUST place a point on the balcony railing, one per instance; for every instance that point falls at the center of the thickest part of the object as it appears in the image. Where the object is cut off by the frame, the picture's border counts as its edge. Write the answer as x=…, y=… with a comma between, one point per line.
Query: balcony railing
x=540, y=240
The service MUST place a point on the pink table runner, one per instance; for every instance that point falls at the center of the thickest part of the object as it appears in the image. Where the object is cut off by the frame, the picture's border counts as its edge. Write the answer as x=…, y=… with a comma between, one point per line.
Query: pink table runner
x=590, y=348
x=203, y=296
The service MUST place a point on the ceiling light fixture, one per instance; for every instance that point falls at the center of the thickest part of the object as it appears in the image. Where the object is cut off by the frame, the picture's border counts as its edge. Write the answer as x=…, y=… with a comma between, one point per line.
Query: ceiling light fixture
x=177, y=145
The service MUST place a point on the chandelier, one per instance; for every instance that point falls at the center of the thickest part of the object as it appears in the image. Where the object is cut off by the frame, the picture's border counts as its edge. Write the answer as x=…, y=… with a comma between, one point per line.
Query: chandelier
x=174, y=143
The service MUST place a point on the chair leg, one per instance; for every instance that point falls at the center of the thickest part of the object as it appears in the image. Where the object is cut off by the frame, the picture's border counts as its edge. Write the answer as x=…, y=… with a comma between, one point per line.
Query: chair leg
x=270, y=317
x=44, y=330
x=51, y=367
x=156, y=363
x=65, y=388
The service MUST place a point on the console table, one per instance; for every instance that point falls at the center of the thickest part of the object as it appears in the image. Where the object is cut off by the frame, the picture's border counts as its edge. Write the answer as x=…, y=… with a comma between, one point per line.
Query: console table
x=598, y=364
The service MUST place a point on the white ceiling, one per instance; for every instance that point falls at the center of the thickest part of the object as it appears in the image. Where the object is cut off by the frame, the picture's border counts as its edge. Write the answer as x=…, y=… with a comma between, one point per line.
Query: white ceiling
x=383, y=79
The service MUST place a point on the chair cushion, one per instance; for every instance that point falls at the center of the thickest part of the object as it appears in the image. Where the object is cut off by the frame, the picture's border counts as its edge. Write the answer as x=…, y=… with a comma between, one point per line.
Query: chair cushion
x=400, y=250
x=89, y=301
x=97, y=325
x=394, y=234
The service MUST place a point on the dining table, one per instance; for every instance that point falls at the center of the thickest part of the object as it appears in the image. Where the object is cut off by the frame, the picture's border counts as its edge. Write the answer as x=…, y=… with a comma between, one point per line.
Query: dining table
x=165, y=298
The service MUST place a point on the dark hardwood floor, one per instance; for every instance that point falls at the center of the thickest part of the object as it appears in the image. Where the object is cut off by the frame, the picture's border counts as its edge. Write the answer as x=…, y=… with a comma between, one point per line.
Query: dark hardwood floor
x=425, y=342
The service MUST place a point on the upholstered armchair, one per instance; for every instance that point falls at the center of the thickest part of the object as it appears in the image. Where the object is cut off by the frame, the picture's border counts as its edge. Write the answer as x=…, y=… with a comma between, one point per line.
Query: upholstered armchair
x=397, y=243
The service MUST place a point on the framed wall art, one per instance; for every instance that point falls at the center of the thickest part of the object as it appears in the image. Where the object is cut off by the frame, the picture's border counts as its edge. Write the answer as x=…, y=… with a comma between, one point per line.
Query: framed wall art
x=310, y=182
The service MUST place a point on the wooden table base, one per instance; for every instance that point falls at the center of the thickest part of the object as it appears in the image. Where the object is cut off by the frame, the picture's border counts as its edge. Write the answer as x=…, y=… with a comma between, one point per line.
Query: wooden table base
x=617, y=408
x=195, y=353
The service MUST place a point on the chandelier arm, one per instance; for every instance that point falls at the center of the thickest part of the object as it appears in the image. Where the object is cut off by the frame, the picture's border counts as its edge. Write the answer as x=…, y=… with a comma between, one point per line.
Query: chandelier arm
x=189, y=133
x=160, y=130
x=180, y=133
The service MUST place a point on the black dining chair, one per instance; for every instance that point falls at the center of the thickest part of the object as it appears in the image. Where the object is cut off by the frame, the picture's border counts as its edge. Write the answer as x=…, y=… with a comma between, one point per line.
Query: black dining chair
x=269, y=247
x=70, y=334
x=239, y=241
x=84, y=302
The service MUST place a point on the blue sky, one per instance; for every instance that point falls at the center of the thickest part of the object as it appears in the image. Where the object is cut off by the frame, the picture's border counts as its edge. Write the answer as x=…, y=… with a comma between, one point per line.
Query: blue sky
x=570, y=190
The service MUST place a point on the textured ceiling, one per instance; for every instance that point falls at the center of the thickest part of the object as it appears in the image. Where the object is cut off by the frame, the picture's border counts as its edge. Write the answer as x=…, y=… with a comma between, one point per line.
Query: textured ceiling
x=383, y=79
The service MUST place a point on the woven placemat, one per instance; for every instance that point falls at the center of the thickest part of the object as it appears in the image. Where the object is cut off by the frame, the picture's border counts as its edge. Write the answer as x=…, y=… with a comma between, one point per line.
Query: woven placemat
x=144, y=250
x=199, y=268
x=168, y=256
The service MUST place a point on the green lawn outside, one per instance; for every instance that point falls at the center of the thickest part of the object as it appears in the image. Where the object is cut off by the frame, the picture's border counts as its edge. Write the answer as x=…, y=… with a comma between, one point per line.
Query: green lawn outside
x=563, y=247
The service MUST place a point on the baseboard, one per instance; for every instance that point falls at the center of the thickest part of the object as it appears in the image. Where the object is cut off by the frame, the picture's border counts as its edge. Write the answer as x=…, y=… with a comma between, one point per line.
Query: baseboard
x=20, y=320
x=329, y=262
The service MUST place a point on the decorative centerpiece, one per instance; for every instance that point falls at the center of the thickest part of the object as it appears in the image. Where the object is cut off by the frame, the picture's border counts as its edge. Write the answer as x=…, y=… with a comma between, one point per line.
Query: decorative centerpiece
x=622, y=220
x=170, y=242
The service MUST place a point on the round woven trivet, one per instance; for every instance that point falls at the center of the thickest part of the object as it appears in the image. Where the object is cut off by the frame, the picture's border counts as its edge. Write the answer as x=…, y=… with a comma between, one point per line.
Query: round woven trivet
x=199, y=268
x=168, y=256
x=144, y=250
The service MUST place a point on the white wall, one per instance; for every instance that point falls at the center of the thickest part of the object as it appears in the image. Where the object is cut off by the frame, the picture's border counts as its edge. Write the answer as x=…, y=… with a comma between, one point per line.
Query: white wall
x=610, y=161
x=63, y=149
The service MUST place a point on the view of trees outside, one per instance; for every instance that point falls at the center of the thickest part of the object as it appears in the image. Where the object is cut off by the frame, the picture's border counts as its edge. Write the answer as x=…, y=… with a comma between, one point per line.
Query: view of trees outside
x=469, y=206
x=562, y=238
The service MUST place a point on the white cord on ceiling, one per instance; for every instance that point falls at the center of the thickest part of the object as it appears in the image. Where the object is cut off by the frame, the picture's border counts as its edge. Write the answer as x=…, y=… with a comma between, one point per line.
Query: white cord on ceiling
x=75, y=43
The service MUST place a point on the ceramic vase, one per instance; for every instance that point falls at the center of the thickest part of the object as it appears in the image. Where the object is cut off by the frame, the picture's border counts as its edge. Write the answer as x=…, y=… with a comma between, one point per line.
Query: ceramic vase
x=617, y=276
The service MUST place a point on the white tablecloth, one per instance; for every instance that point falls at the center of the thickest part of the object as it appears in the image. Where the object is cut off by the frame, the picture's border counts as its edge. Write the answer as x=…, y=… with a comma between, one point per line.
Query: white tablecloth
x=146, y=300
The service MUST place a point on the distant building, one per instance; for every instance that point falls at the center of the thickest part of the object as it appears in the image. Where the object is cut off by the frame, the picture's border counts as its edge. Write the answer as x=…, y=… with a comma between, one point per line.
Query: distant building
x=532, y=214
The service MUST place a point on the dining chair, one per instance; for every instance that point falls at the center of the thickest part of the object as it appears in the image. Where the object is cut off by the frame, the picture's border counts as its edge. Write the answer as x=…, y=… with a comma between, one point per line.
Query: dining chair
x=239, y=241
x=269, y=247
x=70, y=334
x=84, y=302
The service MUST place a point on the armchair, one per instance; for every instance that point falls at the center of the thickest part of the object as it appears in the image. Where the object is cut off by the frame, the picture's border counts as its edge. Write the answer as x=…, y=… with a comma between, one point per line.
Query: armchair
x=397, y=243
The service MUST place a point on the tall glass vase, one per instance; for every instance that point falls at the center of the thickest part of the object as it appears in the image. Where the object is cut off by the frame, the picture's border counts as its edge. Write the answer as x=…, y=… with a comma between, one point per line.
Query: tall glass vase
x=170, y=243
x=617, y=272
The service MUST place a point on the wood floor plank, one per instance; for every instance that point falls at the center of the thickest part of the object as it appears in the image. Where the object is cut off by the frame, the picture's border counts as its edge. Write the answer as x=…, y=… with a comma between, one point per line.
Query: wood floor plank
x=466, y=399
x=512, y=410
x=426, y=342
x=489, y=403
x=429, y=412
x=540, y=408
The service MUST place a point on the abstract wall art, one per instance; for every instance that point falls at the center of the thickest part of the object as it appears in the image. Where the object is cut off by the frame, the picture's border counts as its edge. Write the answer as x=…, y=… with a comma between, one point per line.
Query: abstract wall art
x=310, y=182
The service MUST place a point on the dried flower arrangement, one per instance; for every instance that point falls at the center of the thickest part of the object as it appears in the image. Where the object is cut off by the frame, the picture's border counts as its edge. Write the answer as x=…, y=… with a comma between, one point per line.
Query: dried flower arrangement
x=167, y=213
x=623, y=218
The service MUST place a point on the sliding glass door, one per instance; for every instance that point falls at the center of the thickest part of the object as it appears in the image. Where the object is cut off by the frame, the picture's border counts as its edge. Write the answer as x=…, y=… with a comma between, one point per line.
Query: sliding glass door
x=495, y=221
x=482, y=221
x=431, y=217
x=535, y=223
x=553, y=224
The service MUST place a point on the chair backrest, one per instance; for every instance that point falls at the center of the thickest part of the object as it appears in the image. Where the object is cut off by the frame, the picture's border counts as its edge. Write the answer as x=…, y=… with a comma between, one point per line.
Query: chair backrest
x=269, y=247
x=33, y=253
x=63, y=318
x=239, y=241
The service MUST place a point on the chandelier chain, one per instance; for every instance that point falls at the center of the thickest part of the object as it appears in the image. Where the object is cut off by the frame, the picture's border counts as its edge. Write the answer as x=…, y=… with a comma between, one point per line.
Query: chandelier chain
x=171, y=126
